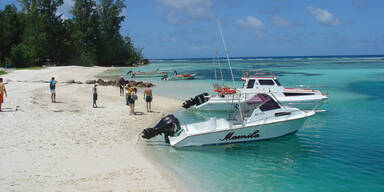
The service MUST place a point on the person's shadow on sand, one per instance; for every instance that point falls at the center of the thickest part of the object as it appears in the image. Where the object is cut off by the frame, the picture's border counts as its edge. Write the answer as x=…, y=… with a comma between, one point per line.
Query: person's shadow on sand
x=7, y=109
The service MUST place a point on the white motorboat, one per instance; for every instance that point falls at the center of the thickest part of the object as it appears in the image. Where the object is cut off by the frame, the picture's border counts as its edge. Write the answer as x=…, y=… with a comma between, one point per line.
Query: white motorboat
x=148, y=74
x=260, y=118
x=258, y=83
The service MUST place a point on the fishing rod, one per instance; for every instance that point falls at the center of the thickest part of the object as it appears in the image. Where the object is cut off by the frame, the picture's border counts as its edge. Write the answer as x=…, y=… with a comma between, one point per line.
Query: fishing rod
x=230, y=69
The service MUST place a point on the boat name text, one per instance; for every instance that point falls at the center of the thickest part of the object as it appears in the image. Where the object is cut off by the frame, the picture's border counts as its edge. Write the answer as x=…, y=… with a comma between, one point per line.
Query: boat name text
x=230, y=136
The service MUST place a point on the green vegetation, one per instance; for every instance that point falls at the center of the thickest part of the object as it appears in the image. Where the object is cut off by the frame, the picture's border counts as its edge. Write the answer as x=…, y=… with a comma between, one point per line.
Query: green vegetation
x=36, y=35
x=33, y=67
x=2, y=72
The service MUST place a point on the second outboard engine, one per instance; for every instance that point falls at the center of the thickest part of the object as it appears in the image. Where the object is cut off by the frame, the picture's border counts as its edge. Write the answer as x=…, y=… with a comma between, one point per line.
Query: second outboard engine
x=199, y=99
x=168, y=125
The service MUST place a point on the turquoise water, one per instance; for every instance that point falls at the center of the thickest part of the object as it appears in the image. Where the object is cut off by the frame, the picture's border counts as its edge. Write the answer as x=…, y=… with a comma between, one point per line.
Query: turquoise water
x=341, y=149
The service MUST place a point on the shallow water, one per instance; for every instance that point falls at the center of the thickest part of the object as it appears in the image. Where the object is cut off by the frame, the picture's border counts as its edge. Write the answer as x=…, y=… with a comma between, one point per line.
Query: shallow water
x=341, y=149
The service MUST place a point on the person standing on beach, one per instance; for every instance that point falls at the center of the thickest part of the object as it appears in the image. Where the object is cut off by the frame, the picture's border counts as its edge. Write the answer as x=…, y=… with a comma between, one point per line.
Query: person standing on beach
x=132, y=102
x=128, y=94
x=148, y=98
x=94, y=93
x=121, y=85
x=2, y=91
x=52, y=87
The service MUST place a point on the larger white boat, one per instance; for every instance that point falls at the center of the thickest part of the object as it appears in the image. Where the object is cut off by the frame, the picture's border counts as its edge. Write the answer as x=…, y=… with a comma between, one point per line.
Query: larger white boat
x=260, y=118
x=253, y=84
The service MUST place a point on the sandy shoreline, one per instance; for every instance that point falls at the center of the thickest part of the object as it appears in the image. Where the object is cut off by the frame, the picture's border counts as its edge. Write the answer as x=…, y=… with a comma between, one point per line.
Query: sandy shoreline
x=70, y=146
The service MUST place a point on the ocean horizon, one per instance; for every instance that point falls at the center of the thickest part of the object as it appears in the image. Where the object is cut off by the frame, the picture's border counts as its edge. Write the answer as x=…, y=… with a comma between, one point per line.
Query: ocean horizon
x=265, y=57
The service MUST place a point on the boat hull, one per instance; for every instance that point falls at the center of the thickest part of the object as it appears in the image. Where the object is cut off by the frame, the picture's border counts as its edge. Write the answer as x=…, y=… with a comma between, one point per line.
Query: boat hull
x=175, y=78
x=236, y=135
x=149, y=75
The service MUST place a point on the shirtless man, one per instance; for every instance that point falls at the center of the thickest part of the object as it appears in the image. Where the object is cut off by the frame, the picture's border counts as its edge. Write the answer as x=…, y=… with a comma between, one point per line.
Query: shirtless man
x=2, y=91
x=148, y=98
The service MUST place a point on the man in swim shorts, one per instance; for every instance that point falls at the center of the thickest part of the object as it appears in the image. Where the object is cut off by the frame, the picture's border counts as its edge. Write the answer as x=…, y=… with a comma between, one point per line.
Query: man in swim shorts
x=94, y=94
x=2, y=91
x=148, y=98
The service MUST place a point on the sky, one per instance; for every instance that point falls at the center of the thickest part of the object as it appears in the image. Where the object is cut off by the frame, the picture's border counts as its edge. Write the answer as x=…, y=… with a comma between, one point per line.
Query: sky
x=251, y=28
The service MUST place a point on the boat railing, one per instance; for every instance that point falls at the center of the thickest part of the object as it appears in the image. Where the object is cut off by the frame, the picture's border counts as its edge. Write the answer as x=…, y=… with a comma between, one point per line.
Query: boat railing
x=322, y=88
x=307, y=105
x=257, y=73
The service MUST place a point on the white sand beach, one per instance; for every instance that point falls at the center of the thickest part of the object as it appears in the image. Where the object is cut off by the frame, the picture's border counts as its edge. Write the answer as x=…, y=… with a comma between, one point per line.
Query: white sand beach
x=70, y=146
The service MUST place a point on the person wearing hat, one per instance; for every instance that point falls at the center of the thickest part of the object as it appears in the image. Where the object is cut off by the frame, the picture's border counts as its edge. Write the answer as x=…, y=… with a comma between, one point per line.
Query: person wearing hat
x=94, y=93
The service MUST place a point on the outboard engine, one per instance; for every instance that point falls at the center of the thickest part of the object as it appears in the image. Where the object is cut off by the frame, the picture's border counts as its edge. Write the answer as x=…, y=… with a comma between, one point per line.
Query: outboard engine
x=198, y=100
x=168, y=125
x=165, y=77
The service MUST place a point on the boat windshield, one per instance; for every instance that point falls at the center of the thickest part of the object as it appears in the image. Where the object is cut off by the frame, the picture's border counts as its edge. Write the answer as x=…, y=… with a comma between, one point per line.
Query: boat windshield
x=265, y=102
x=251, y=83
x=262, y=101
x=277, y=82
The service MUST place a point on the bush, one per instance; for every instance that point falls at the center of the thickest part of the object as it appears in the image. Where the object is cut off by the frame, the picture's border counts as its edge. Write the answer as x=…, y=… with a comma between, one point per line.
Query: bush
x=22, y=56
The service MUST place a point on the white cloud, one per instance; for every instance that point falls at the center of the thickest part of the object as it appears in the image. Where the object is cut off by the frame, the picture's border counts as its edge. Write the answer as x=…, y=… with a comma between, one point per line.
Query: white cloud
x=173, y=17
x=182, y=10
x=278, y=21
x=251, y=24
x=323, y=16
x=65, y=9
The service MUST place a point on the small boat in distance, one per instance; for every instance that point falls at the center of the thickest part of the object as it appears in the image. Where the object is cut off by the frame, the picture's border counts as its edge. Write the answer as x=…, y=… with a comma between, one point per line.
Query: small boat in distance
x=260, y=118
x=148, y=74
x=255, y=83
x=185, y=76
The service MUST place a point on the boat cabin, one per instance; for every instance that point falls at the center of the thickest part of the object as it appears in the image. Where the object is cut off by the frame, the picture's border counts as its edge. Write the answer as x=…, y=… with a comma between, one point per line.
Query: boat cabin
x=253, y=82
x=259, y=104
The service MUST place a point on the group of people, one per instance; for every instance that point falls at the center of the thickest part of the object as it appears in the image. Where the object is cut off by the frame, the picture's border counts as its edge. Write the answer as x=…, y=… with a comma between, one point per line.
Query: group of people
x=52, y=88
x=131, y=95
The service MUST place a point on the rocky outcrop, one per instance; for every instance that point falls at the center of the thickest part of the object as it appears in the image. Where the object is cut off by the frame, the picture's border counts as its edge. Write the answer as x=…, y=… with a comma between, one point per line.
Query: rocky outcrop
x=139, y=83
x=70, y=81
x=90, y=81
x=115, y=83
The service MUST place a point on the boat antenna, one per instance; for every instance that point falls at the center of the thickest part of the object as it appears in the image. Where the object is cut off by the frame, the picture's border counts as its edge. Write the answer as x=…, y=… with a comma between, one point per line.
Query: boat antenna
x=230, y=69
x=218, y=62
x=214, y=62
x=226, y=52
x=221, y=71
